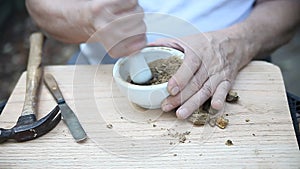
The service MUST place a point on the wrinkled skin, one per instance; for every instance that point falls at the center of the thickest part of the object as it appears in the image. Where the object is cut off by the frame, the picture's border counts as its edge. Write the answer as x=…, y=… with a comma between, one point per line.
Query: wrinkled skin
x=208, y=70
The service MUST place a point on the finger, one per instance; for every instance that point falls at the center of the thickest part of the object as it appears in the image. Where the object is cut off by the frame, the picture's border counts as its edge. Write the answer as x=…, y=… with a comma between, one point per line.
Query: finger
x=220, y=94
x=128, y=46
x=119, y=6
x=191, y=88
x=198, y=99
x=167, y=43
x=191, y=63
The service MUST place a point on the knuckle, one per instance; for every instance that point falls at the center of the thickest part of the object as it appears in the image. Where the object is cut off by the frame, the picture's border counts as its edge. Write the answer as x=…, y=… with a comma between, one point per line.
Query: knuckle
x=194, y=103
x=175, y=101
x=95, y=8
x=181, y=85
x=207, y=90
x=192, y=64
x=194, y=59
x=178, y=100
x=176, y=79
x=107, y=5
x=226, y=85
x=196, y=84
x=133, y=2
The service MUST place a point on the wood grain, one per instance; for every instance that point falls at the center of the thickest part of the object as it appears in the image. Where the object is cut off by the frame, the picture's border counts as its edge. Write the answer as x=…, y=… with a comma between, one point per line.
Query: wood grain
x=260, y=127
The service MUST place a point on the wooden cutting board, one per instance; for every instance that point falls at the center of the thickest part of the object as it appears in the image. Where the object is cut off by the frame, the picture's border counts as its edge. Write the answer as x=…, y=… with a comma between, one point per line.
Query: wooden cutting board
x=122, y=135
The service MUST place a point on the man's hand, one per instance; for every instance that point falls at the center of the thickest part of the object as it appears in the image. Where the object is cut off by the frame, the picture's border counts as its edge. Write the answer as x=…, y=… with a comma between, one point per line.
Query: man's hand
x=117, y=24
x=210, y=65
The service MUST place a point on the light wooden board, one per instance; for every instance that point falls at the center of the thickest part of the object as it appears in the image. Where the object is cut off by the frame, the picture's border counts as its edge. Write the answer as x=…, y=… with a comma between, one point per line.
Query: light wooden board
x=147, y=138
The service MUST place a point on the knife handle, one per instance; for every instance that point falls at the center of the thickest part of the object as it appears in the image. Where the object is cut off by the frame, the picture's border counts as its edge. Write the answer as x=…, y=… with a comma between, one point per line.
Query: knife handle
x=53, y=88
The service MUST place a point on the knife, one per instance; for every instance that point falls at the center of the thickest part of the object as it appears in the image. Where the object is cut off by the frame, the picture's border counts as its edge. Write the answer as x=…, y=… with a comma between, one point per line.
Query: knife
x=68, y=115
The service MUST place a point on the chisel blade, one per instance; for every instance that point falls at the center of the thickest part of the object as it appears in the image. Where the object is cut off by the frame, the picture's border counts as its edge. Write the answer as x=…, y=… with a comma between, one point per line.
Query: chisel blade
x=72, y=122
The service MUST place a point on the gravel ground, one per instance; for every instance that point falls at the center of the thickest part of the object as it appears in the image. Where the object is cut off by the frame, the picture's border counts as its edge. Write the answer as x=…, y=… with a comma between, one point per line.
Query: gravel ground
x=14, y=49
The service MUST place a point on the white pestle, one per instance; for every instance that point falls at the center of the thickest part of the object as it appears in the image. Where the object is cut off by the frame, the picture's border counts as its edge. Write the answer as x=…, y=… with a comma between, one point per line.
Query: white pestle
x=139, y=70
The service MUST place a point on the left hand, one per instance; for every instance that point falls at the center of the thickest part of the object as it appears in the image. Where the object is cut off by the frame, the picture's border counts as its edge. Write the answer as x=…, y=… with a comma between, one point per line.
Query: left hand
x=209, y=68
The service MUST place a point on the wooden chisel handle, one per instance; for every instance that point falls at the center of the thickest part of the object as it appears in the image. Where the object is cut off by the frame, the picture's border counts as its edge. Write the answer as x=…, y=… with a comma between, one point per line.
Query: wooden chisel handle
x=53, y=87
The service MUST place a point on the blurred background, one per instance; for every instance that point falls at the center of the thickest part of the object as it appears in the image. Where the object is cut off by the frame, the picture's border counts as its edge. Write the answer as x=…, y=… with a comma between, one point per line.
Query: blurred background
x=16, y=26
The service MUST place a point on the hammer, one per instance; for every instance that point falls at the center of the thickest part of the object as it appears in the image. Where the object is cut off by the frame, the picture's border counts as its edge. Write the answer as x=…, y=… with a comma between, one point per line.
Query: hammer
x=27, y=126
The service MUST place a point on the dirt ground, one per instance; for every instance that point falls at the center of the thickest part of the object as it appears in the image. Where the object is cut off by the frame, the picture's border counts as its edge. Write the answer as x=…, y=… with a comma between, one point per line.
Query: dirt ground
x=14, y=49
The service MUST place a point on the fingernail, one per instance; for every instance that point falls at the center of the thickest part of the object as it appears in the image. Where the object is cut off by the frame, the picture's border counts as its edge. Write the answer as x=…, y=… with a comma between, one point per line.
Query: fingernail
x=174, y=90
x=167, y=107
x=182, y=113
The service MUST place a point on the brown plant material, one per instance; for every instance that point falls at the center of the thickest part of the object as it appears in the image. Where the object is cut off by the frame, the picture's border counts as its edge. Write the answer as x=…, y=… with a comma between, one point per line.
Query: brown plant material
x=232, y=97
x=178, y=135
x=163, y=69
x=221, y=122
x=199, y=117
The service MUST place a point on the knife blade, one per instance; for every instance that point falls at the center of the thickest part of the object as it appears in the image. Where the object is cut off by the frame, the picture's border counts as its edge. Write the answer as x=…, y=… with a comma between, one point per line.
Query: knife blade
x=67, y=113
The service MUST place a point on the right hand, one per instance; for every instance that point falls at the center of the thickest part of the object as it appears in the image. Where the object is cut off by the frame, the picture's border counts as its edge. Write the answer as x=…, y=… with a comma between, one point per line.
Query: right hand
x=117, y=24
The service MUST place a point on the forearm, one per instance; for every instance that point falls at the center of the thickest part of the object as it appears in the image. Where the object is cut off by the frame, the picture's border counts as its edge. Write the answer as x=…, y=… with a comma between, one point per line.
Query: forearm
x=53, y=18
x=271, y=24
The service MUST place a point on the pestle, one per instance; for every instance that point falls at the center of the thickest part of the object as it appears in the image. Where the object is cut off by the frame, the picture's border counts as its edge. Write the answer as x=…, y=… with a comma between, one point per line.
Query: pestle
x=139, y=70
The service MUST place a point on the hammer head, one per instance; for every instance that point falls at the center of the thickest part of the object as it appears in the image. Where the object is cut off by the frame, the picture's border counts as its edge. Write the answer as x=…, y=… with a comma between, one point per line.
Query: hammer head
x=27, y=128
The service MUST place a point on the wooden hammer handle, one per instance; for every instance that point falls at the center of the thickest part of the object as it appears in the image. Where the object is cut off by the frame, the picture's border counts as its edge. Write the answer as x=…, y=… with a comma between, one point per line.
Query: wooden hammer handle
x=34, y=73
